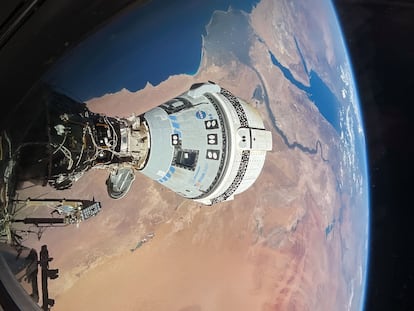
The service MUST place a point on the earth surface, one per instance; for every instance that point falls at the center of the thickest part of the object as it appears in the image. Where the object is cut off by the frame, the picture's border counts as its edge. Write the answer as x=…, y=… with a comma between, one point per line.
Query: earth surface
x=296, y=240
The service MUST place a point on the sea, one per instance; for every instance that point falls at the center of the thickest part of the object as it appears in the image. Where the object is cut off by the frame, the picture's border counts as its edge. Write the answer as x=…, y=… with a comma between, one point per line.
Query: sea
x=317, y=91
x=146, y=44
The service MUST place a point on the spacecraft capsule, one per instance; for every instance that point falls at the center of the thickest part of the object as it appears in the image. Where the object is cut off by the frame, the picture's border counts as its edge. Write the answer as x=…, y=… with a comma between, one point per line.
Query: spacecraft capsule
x=206, y=144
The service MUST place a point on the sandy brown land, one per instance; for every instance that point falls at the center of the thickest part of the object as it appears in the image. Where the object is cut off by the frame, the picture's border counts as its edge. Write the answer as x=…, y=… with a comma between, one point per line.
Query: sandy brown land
x=266, y=250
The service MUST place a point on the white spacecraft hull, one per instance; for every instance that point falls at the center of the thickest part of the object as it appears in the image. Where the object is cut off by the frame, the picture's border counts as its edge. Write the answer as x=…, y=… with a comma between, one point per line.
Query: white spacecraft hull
x=206, y=144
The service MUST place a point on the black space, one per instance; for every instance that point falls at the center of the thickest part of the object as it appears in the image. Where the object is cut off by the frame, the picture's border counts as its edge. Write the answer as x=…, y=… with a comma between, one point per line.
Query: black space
x=380, y=37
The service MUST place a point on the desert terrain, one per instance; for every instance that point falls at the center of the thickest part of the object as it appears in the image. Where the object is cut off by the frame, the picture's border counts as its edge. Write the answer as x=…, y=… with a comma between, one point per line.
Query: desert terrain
x=275, y=247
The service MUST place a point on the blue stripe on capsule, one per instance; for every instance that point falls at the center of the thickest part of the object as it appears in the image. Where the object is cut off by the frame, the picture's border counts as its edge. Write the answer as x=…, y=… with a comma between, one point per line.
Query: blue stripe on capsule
x=175, y=125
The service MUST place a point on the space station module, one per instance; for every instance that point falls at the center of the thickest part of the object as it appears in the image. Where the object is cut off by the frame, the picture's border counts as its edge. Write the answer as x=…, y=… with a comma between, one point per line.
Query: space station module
x=206, y=145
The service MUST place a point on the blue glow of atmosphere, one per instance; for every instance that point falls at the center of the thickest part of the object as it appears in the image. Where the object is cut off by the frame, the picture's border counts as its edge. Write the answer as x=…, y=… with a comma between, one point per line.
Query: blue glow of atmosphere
x=363, y=166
